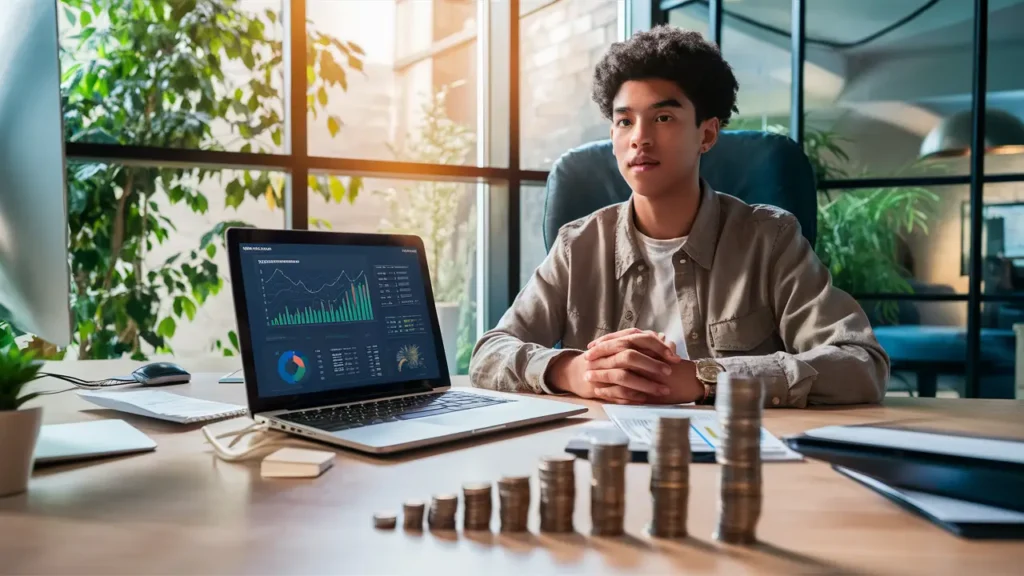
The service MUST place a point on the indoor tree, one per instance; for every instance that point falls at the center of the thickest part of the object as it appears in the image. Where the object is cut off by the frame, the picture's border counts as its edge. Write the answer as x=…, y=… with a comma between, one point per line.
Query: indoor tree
x=204, y=75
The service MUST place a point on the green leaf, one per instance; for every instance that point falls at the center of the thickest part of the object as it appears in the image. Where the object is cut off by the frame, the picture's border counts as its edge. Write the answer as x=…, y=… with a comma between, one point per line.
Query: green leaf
x=337, y=189
x=70, y=16
x=233, y=338
x=85, y=19
x=211, y=250
x=275, y=135
x=321, y=96
x=333, y=125
x=167, y=327
x=355, y=184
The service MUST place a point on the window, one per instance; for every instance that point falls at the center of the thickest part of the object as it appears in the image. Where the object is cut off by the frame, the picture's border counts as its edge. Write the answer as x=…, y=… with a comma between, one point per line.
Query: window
x=887, y=104
x=167, y=291
x=561, y=42
x=174, y=77
x=532, y=250
x=397, y=81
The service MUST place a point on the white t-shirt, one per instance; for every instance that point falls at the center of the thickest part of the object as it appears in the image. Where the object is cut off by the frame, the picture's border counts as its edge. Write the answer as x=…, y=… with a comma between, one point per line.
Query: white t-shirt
x=662, y=314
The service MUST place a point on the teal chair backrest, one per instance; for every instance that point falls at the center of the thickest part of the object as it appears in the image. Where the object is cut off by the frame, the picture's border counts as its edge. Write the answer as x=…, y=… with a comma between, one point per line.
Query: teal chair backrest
x=757, y=167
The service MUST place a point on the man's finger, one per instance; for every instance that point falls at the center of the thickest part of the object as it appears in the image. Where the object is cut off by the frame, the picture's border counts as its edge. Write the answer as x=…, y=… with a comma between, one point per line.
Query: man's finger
x=633, y=360
x=620, y=395
x=626, y=379
x=647, y=343
x=614, y=335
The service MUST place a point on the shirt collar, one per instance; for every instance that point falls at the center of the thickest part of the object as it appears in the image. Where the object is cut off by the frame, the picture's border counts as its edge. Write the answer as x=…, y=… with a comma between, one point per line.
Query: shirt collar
x=700, y=242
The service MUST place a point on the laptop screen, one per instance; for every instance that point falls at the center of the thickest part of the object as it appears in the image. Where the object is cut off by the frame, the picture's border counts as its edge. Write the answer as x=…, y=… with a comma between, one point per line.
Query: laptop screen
x=329, y=317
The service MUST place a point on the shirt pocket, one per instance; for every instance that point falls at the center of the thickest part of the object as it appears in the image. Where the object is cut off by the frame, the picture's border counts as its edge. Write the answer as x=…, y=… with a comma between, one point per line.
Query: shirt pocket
x=750, y=333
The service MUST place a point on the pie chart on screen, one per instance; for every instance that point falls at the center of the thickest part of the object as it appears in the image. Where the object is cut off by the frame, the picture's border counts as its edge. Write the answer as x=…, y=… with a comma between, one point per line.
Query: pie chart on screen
x=291, y=366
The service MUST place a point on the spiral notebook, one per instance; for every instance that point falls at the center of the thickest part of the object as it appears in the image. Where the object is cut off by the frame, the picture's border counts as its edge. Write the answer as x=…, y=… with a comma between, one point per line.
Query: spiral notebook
x=163, y=405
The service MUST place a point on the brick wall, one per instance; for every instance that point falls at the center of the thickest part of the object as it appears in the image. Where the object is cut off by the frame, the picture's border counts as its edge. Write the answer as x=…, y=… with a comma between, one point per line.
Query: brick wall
x=561, y=42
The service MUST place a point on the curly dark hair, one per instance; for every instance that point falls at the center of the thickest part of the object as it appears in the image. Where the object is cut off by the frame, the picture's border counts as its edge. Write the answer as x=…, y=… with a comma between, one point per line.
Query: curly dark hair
x=674, y=54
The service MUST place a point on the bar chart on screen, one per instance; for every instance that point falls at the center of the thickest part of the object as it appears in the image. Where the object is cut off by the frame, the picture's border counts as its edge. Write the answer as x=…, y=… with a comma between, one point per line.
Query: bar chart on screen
x=298, y=295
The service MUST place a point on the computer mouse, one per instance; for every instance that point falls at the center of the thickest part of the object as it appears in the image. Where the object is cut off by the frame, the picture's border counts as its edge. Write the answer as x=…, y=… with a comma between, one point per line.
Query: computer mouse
x=161, y=374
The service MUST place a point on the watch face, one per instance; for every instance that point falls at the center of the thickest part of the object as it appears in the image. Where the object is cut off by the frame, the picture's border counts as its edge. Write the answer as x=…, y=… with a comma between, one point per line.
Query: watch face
x=709, y=372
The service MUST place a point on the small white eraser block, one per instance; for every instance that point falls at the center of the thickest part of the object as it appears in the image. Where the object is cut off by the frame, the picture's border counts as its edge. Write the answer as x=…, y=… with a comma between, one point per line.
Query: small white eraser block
x=296, y=463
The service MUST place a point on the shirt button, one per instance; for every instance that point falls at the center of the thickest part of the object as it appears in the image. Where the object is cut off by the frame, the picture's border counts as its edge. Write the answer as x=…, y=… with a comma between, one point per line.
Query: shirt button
x=682, y=260
x=694, y=335
x=629, y=315
x=775, y=400
x=640, y=267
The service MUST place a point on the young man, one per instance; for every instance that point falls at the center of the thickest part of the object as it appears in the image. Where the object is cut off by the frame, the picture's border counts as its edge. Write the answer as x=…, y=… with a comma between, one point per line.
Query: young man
x=652, y=298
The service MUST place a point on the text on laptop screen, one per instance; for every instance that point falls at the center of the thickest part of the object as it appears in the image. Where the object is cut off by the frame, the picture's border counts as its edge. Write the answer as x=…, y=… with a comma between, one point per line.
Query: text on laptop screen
x=333, y=317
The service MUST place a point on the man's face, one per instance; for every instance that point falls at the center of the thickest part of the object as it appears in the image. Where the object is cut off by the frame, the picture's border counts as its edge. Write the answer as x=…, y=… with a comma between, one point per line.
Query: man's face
x=655, y=137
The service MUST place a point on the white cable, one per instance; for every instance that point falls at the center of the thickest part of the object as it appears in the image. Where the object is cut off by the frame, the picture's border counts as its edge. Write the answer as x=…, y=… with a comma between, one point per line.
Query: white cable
x=269, y=440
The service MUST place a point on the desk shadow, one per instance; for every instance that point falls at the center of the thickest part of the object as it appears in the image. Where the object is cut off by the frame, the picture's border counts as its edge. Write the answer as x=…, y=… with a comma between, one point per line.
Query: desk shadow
x=817, y=565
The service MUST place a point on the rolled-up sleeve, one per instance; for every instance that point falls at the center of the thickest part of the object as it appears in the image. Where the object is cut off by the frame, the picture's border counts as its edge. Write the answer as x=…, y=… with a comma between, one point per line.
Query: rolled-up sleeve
x=831, y=355
x=514, y=356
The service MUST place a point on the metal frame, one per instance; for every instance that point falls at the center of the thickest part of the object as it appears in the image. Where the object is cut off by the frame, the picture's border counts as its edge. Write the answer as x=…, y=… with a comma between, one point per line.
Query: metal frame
x=498, y=212
x=657, y=13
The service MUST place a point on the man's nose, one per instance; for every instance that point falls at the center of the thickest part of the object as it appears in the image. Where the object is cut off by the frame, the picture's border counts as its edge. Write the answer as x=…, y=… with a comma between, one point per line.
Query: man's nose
x=641, y=137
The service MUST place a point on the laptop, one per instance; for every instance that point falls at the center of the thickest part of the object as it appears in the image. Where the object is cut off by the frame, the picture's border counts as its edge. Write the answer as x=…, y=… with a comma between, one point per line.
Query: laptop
x=340, y=343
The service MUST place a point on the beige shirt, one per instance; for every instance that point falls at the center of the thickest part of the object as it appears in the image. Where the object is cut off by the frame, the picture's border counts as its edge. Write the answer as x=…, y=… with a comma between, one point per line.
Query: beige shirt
x=752, y=294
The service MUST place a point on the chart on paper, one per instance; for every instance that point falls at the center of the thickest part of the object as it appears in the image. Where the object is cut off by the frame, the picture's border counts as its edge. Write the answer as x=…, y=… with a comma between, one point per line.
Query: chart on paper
x=638, y=422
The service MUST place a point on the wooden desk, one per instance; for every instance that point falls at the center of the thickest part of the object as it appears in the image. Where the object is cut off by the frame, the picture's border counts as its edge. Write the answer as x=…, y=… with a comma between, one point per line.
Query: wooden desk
x=180, y=510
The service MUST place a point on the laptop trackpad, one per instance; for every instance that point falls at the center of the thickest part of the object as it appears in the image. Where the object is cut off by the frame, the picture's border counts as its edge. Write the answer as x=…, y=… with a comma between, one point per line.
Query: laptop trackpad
x=392, y=433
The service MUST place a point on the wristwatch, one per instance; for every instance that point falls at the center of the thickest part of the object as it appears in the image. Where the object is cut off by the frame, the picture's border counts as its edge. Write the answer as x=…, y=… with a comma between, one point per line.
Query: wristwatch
x=707, y=374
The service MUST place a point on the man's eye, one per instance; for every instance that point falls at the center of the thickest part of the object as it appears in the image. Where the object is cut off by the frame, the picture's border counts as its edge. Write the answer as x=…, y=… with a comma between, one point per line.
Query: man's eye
x=663, y=118
x=623, y=122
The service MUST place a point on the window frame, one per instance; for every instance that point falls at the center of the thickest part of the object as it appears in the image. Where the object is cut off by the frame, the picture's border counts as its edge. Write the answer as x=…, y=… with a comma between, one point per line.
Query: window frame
x=656, y=12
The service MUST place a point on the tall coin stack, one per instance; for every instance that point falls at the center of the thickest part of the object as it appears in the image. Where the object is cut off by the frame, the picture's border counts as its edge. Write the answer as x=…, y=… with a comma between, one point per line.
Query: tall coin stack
x=442, y=512
x=557, y=492
x=609, y=454
x=669, y=457
x=412, y=515
x=476, y=506
x=738, y=404
x=514, y=500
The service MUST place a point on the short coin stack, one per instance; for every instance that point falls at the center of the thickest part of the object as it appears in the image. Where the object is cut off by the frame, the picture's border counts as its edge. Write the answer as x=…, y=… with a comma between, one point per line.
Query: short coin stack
x=384, y=521
x=442, y=512
x=669, y=457
x=476, y=506
x=739, y=402
x=557, y=492
x=609, y=454
x=514, y=499
x=412, y=515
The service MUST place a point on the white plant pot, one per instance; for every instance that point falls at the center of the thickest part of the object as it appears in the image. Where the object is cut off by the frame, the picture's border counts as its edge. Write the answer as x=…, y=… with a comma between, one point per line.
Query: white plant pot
x=19, y=430
x=448, y=319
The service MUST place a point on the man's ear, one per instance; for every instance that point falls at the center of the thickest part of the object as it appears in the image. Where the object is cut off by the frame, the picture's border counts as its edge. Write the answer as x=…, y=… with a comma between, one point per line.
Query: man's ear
x=709, y=134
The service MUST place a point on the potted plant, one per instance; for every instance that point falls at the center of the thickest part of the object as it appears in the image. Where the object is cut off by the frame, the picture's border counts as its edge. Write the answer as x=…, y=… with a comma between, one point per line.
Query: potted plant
x=19, y=427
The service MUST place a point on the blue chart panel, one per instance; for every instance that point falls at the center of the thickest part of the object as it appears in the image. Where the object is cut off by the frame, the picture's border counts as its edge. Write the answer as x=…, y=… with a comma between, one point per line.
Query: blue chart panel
x=298, y=294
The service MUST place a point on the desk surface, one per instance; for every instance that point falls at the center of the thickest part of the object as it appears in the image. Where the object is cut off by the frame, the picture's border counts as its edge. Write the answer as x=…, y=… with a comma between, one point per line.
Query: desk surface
x=180, y=510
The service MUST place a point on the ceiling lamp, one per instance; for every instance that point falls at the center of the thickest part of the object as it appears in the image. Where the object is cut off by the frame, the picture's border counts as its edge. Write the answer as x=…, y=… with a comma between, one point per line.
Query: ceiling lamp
x=1004, y=134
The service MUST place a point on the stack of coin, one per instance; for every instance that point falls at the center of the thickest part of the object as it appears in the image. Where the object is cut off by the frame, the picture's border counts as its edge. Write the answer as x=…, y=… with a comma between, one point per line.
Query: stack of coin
x=384, y=521
x=412, y=515
x=514, y=496
x=476, y=506
x=442, y=512
x=609, y=454
x=669, y=457
x=738, y=404
x=557, y=492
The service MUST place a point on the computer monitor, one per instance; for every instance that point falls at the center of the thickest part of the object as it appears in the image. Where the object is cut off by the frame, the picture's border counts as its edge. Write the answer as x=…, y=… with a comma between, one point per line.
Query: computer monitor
x=35, y=279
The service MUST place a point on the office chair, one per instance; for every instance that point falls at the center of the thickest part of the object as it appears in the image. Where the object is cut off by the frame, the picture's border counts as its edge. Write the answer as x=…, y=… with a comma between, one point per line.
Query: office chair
x=756, y=167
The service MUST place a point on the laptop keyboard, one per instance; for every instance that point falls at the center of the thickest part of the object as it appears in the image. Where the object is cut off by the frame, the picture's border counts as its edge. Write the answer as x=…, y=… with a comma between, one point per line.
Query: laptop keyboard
x=337, y=418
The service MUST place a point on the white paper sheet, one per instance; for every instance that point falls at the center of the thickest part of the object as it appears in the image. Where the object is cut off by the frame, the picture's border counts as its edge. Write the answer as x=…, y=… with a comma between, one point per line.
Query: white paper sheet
x=163, y=405
x=638, y=422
